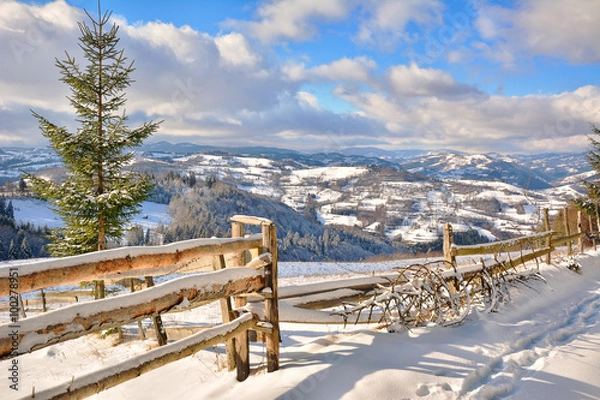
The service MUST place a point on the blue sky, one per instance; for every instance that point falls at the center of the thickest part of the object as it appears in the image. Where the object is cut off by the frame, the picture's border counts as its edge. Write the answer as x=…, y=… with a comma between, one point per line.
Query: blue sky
x=475, y=75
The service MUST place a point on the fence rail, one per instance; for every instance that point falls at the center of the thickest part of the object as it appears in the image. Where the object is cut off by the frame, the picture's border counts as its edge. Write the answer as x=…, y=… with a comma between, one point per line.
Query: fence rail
x=306, y=302
x=245, y=265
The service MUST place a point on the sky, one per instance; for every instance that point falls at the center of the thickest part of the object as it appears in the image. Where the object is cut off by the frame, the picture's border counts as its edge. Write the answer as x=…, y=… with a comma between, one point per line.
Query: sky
x=324, y=75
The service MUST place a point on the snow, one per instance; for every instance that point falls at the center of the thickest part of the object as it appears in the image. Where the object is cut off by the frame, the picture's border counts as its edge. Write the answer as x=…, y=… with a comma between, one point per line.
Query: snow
x=39, y=213
x=79, y=312
x=326, y=174
x=46, y=264
x=541, y=345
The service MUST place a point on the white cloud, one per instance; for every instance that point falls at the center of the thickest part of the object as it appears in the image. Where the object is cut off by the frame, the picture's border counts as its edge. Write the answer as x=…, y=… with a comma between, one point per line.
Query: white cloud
x=409, y=81
x=227, y=89
x=292, y=19
x=514, y=124
x=386, y=20
x=235, y=50
x=179, y=42
x=345, y=69
x=567, y=29
x=308, y=100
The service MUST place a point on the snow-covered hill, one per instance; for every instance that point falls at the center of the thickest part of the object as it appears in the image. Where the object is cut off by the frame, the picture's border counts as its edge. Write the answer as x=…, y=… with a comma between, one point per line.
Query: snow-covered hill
x=401, y=204
x=406, y=195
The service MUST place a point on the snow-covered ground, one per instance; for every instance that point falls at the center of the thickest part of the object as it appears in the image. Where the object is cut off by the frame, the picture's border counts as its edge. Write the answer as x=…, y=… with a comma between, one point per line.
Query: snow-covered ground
x=544, y=344
x=38, y=212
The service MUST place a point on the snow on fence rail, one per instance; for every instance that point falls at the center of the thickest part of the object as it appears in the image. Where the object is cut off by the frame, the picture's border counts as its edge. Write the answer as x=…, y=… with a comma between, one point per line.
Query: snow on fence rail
x=437, y=291
x=234, y=279
x=528, y=246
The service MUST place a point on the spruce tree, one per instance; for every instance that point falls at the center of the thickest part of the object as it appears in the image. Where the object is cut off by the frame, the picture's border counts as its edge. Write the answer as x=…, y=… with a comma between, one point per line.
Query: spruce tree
x=13, y=251
x=10, y=211
x=590, y=204
x=25, y=250
x=98, y=196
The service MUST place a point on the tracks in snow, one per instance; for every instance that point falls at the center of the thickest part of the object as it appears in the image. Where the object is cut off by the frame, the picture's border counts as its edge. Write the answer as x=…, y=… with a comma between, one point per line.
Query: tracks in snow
x=502, y=375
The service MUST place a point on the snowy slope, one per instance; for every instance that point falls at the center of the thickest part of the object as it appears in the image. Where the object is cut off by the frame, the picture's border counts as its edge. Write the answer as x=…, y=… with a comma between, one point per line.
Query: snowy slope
x=39, y=213
x=542, y=345
x=496, y=195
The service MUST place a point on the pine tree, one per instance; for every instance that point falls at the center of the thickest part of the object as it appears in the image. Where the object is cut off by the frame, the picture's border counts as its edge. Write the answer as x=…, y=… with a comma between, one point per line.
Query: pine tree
x=98, y=197
x=25, y=250
x=147, y=237
x=13, y=251
x=590, y=204
x=10, y=211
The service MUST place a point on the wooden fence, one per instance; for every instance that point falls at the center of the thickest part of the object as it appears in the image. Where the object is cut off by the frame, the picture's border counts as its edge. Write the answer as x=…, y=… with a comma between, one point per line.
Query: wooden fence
x=528, y=247
x=305, y=303
x=244, y=265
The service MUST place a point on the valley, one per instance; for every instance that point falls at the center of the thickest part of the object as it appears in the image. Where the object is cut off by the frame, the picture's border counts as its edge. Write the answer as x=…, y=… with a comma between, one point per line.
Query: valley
x=405, y=196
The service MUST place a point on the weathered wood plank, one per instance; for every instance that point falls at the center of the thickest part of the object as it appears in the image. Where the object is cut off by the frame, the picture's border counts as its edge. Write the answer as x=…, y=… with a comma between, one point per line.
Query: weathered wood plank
x=227, y=316
x=558, y=241
x=361, y=283
x=501, y=266
x=62, y=271
x=269, y=233
x=83, y=318
x=250, y=220
x=98, y=381
x=495, y=247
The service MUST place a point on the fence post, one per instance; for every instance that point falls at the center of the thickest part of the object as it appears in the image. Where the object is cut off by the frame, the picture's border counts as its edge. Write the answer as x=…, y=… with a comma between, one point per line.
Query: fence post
x=269, y=233
x=241, y=342
x=579, y=230
x=139, y=323
x=449, y=258
x=591, y=224
x=44, y=306
x=161, y=335
x=227, y=313
x=549, y=238
x=597, y=217
x=567, y=229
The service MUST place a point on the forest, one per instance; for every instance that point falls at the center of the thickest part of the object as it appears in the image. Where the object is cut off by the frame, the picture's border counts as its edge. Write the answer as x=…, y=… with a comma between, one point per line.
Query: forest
x=20, y=240
x=202, y=208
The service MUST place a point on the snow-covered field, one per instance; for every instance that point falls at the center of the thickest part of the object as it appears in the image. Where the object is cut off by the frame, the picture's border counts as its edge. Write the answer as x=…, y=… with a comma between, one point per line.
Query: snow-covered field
x=39, y=213
x=544, y=344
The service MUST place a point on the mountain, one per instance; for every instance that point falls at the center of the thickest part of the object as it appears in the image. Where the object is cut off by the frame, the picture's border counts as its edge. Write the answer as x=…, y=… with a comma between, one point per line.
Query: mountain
x=405, y=196
x=556, y=167
x=484, y=167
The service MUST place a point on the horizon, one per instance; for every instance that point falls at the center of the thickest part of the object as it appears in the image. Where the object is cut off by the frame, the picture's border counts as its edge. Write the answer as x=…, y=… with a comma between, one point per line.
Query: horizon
x=209, y=147
x=316, y=77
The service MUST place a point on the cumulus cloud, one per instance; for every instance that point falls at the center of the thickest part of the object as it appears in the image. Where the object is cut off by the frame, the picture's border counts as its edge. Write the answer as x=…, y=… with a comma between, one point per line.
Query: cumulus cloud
x=515, y=124
x=345, y=69
x=294, y=20
x=228, y=88
x=308, y=100
x=411, y=81
x=567, y=29
x=385, y=21
x=236, y=51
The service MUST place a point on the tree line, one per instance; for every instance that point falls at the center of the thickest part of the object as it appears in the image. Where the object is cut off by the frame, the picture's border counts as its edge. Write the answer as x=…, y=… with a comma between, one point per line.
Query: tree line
x=22, y=240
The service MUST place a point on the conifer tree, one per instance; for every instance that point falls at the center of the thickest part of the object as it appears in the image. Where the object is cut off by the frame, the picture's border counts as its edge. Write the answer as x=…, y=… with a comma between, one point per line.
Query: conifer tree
x=98, y=196
x=13, y=251
x=10, y=211
x=25, y=250
x=590, y=204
